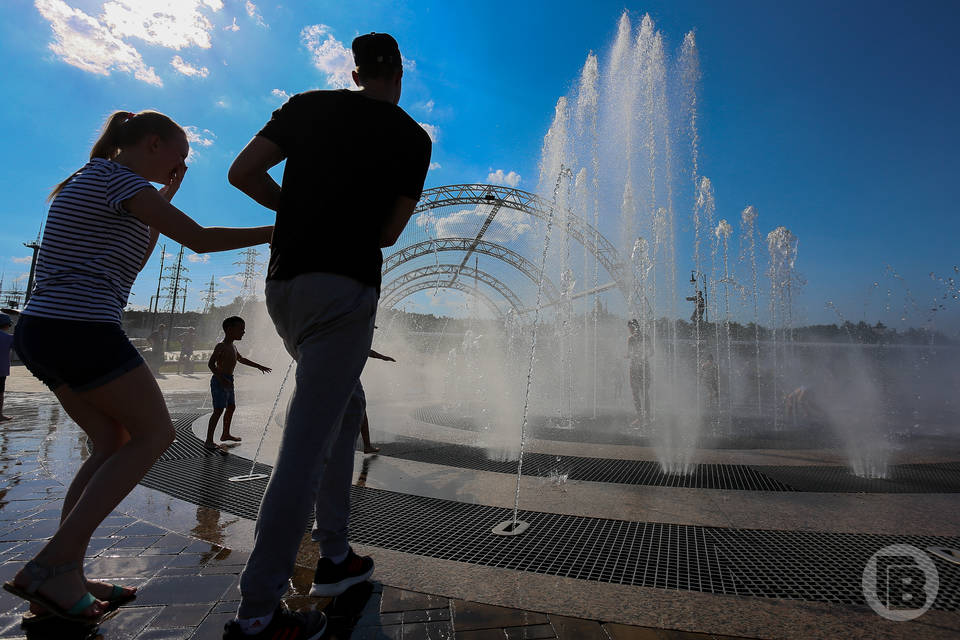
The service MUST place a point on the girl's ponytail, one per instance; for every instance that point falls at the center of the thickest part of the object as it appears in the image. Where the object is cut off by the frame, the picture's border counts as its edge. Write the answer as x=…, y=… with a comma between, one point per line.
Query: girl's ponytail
x=107, y=145
x=121, y=129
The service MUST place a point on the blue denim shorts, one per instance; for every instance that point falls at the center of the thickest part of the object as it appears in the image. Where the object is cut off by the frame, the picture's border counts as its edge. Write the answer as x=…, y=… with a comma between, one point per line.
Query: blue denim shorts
x=80, y=354
x=222, y=397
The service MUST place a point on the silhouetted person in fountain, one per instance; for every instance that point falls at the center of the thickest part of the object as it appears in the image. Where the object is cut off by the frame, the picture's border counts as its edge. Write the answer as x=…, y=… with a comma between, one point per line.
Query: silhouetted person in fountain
x=188, y=340
x=222, y=363
x=638, y=351
x=699, y=308
x=355, y=166
x=365, y=422
x=156, y=348
x=709, y=378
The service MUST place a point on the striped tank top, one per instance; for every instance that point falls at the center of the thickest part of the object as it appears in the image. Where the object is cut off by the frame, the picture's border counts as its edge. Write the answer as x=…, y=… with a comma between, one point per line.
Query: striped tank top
x=92, y=248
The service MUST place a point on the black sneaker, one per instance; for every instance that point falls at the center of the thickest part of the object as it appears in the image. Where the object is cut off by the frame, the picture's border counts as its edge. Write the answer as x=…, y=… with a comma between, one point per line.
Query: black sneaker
x=333, y=579
x=285, y=625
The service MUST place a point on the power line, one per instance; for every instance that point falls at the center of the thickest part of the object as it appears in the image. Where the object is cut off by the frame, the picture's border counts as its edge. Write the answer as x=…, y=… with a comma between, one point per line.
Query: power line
x=250, y=272
x=210, y=300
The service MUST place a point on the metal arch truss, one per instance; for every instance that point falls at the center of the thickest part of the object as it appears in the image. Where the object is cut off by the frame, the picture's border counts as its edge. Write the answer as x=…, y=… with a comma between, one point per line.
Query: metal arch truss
x=425, y=285
x=468, y=245
x=518, y=200
x=390, y=293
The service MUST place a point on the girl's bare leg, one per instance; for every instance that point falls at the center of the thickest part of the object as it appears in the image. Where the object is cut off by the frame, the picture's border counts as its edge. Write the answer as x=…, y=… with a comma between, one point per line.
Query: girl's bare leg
x=133, y=400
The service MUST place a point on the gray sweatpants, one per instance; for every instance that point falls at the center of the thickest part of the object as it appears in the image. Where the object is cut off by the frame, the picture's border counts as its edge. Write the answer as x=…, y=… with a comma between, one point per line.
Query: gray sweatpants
x=326, y=323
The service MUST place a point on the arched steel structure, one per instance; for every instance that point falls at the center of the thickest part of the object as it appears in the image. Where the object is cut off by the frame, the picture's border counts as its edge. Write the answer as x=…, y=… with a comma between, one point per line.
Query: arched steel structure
x=519, y=200
x=469, y=245
x=390, y=291
x=426, y=285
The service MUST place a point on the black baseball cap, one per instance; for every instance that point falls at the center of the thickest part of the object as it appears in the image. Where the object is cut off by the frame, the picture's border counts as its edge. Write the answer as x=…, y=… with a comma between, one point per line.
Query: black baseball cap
x=376, y=49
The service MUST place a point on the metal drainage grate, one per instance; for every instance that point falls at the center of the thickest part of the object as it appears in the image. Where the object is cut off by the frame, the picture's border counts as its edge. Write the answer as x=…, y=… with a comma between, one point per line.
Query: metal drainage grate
x=182, y=447
x=635, y=472
x=773, y=564
x=905, y=478
x=802, y=565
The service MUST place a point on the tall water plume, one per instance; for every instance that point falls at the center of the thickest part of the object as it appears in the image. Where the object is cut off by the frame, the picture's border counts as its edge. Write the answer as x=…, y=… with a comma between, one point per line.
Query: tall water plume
x=782, y=246
x=748, y=224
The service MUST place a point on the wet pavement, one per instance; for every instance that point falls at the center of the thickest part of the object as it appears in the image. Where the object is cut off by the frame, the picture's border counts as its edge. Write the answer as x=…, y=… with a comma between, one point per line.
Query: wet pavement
x=186, y=558
x=188, y=586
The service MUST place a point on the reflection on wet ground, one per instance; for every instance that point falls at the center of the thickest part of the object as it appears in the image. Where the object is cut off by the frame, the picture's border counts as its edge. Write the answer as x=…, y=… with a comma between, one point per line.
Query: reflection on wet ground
x=185, y=562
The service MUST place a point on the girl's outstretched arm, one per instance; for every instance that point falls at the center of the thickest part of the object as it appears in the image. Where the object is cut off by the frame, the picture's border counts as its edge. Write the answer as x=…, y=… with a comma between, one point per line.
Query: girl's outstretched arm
x=151, y=208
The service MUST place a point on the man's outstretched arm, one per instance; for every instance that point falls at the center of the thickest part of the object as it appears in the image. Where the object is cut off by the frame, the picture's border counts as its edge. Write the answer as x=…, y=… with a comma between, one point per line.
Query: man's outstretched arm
x=249, y=171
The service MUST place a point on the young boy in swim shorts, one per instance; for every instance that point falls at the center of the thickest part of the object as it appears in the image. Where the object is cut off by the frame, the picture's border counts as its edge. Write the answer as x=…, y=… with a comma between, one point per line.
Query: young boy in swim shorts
x=222, y=362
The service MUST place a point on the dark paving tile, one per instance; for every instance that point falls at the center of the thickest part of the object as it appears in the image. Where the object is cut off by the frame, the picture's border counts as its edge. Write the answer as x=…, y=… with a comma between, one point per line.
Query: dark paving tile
x=27, y=550
x=624, y=632
x=481, y=634
x=228, y=557
x=380, y=620
x=33, y=530
x=141, y=528
x=187, y=560
x=577, y=629
x=533, y=632
x=203, y=547
x=428, y=631
x=394, y=632
x=170, y=543
x=473, y=615
x=184, y=590
x=426, y=615
x=60, y=629
x=225, y=606
x=166, y=634
x=181, y=615
x=212, y=627
x=98, y=545
x=10, y=625
x=129, y=622
x=136, y=542
x=121, y=567
x=401, y=600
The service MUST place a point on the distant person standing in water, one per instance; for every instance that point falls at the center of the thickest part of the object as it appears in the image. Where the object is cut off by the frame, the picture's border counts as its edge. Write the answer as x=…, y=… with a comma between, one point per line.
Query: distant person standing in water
x=638, y=351
x=355, y=167
x=6, y=343
x=222, y=363
x=102, y=226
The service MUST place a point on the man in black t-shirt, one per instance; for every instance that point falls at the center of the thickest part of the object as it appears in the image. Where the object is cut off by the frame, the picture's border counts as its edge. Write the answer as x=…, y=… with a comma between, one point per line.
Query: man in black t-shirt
x=355, y=167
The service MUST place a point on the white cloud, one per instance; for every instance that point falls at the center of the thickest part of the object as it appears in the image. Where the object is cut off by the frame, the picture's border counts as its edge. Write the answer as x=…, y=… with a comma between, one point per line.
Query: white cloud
x=232, y=27
x=254, y=13
x=434, y=165
x=202, y=137
x=23, y=260
x=188, y=69
x=329, y=55
x=511, y=179
x=223, y=103
x=179, y=24
x=432, y=130
x=100, y=44
x=280, y=93
x=81, y=41
x=427, y=106
x=507, y=226
x=199, y=257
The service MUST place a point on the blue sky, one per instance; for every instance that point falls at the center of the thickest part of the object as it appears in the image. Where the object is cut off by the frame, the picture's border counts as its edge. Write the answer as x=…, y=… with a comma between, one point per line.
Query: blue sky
x=838, y=120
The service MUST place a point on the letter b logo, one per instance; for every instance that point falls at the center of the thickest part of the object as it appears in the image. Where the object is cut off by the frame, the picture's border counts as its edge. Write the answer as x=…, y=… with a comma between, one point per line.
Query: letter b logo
x=900, y=582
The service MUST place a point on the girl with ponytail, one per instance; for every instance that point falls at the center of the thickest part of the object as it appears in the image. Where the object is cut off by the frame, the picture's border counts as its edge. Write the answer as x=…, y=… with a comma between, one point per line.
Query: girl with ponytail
x=102, y=226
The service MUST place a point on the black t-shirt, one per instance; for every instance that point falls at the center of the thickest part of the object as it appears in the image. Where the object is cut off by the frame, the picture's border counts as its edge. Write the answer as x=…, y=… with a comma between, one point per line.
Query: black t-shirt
x=348, y=158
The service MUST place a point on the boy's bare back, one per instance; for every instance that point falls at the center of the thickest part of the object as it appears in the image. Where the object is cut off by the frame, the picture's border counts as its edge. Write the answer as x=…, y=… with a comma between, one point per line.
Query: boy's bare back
x=224, y=357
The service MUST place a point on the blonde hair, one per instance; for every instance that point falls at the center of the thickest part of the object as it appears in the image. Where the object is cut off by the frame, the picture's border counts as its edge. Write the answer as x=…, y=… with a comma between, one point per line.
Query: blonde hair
x=124, y=129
